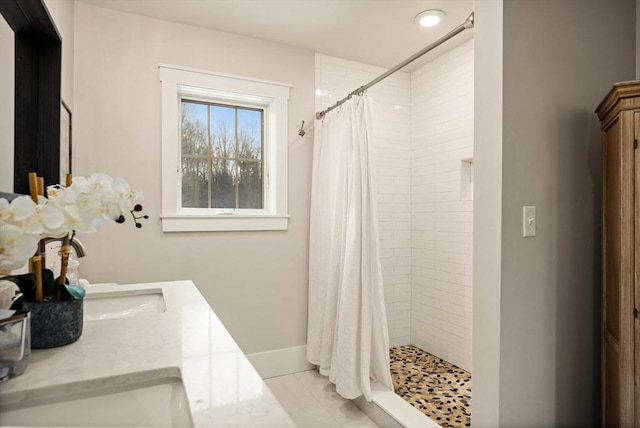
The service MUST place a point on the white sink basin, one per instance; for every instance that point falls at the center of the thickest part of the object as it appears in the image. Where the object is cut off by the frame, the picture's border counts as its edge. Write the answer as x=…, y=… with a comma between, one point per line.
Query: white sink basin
x=155, y=403
x=125, y=304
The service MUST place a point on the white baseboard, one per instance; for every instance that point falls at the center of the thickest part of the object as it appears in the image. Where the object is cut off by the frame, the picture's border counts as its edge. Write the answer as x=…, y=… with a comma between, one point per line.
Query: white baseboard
x=280, y=362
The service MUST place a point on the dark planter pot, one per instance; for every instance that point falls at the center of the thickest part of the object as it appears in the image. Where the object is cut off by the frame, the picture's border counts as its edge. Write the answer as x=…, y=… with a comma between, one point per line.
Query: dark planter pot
x=54, y=323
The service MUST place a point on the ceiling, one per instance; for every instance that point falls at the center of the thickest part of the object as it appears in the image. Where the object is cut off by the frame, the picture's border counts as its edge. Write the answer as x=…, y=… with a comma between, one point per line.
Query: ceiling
x=376, y=32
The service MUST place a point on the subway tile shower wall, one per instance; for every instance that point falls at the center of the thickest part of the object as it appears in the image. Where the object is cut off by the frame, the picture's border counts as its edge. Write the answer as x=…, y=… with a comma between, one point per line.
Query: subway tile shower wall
x=442, y=205
x=423, y=127
x=391, y=100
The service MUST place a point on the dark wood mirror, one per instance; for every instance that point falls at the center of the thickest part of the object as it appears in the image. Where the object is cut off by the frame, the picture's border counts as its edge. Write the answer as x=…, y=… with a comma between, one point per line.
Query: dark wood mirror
x=38, y=63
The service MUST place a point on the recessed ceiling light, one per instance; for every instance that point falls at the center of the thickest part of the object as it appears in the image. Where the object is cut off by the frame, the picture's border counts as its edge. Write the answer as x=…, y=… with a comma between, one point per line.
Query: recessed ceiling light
x=429, y=18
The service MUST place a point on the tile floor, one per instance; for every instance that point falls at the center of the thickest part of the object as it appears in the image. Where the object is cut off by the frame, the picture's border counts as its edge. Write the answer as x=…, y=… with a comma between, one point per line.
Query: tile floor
x=434, y=386
x=312, y=402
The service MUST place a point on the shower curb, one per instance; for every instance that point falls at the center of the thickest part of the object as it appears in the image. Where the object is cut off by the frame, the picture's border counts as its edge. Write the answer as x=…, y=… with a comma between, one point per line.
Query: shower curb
x=388, y=410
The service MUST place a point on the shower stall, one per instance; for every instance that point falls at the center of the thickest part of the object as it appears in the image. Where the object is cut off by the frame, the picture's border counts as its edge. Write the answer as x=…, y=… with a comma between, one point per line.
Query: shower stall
x=423, y=136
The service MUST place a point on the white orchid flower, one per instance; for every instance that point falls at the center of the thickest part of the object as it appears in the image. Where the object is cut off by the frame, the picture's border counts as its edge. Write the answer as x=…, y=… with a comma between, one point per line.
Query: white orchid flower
x=82, y=207
x=53, y=192
x=6, y=215
x=74, y=221
x=16, y=247
x=94, y=182
x=90, y=209
x=128, y=197
x=38, y=219
x=22, y=208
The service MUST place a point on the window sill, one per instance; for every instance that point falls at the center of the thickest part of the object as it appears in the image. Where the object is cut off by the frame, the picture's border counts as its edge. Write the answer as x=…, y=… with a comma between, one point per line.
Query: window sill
x=221, y=223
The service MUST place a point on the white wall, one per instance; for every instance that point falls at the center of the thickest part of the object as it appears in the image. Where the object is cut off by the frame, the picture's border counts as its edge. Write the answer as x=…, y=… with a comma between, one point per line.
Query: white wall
x=255, y=281
x=7, y=72
x=487, y=212
x=62, y=14
x=441, y=218
x=556, y=69
x=335, y=78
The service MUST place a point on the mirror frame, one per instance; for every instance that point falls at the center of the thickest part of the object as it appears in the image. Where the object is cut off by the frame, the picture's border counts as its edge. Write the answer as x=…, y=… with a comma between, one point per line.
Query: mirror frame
x=38, y=73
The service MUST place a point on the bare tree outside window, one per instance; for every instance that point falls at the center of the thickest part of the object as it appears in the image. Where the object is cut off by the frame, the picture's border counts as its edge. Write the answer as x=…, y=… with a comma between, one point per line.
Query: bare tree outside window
x=222, y=156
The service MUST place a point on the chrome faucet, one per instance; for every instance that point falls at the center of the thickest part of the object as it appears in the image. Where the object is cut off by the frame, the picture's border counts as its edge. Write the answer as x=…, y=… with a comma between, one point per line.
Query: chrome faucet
x=77, y=245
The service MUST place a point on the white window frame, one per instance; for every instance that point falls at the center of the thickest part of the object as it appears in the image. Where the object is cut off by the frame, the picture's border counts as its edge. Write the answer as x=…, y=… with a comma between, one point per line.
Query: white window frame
x=178, y=83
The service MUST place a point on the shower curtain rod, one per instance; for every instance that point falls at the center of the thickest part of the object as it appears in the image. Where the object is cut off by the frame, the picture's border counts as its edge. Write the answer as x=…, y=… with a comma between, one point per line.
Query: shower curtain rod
x=468, y=23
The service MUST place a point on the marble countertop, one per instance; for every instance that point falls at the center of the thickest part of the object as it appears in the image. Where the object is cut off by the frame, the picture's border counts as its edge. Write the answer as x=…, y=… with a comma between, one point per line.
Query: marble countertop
x=186, y=341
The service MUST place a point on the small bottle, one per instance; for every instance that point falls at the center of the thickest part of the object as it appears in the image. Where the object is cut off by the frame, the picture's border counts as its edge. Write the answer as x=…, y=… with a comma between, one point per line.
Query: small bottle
x=73, y=269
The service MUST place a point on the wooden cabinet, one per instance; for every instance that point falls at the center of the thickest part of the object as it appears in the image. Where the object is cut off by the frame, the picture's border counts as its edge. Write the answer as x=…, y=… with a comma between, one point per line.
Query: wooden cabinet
x=619, y=113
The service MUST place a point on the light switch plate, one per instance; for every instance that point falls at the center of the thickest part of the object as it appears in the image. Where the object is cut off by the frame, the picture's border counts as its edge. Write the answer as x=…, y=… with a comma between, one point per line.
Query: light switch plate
x=529, y=221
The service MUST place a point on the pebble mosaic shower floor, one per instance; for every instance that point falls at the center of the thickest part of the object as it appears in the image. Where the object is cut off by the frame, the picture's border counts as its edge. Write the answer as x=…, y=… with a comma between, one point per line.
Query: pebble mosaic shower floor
x=434, y=386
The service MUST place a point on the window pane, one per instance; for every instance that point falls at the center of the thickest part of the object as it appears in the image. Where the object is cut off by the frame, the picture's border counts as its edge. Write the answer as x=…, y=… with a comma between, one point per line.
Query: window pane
x=194, y=183
x=249, y=134
x=230, y=140
x=194, y=128
x=223, y=189
x=223, y=128
x=250, y=184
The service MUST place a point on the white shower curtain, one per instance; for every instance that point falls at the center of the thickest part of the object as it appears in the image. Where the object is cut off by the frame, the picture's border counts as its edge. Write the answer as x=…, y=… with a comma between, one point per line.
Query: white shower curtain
x=347, y=333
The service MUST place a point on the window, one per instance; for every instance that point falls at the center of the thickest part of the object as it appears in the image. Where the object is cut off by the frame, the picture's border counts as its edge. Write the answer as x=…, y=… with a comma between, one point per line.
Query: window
x=224, y=152
x=221, y=156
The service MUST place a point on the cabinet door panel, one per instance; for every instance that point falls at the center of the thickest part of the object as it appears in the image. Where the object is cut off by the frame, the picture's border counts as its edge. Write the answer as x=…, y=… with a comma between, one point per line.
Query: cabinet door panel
x=618, y=290
x=636, y=214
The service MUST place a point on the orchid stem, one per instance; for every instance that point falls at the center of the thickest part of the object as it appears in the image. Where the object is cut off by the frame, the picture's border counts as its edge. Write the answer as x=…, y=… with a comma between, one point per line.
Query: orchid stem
x=64, y=262
x=64, y=251
x=33, y=192
x=37, y=268
x=33, y=186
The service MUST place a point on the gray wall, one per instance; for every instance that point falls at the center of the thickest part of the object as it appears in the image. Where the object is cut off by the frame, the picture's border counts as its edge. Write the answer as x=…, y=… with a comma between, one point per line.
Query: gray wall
x=255, y=281
x=62, y=13
x=556, y=69
x=7, y=56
